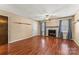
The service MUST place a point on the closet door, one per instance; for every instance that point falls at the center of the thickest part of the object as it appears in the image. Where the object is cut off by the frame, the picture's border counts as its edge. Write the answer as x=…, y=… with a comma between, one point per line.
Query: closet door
x=3, y=34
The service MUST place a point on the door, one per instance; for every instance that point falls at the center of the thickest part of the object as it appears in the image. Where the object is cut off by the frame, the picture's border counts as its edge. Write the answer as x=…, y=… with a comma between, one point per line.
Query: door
x=3, y=34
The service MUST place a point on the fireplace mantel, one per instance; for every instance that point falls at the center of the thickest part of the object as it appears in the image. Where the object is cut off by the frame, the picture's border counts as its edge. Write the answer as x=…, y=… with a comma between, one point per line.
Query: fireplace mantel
x=52, y=26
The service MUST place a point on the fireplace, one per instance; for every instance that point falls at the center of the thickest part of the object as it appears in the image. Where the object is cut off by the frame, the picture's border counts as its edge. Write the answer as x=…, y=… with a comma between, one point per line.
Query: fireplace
x=52, y=33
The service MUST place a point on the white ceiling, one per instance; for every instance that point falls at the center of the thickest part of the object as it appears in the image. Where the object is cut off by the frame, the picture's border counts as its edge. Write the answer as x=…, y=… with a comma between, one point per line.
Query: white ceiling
x=38, y=11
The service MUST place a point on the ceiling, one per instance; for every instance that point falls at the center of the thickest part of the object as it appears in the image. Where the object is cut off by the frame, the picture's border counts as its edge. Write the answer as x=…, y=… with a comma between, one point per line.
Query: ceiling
x=38, y=11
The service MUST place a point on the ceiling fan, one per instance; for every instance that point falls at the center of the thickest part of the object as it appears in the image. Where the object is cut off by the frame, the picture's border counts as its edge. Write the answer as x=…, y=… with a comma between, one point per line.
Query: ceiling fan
x=49, y=18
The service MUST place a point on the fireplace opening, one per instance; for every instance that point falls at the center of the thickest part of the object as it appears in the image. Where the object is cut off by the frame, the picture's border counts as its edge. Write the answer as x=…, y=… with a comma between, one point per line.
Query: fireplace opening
x=52, y=33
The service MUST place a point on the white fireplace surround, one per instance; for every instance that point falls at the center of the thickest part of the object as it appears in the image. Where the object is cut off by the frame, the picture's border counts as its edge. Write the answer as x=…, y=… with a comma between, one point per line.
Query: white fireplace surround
x=52, y=29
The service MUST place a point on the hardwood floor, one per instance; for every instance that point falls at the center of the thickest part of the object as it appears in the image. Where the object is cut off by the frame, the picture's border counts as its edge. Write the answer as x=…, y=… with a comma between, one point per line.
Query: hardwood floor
x=43, y=46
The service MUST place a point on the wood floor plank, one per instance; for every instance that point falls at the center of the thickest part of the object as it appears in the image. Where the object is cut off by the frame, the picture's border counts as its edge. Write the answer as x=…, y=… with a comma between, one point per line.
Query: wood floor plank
x=39, y=45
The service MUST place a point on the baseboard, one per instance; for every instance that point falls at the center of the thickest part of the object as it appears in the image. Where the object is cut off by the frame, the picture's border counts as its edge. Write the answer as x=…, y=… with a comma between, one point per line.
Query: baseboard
x=22, y=39
x=76, y=42
x=18, y=40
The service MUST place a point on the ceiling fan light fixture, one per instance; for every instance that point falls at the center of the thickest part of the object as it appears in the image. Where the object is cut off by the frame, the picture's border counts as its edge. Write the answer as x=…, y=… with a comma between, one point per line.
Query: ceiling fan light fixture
x=47, y=17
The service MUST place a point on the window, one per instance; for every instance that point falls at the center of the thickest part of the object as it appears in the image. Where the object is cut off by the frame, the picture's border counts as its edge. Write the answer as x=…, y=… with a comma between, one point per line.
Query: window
x=64, y=26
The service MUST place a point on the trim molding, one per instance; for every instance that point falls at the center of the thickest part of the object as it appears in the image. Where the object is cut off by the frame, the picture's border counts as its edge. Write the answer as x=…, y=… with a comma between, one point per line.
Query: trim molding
x=22, y=39
x=52, y=26
x=21, y=23
x=76, y=42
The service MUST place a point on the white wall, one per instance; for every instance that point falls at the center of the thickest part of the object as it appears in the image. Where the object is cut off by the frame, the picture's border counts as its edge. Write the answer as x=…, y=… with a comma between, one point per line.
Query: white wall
x=16, y=31
x=77, y=33
x=76, y=28
x=35, y=28
x=20, y=31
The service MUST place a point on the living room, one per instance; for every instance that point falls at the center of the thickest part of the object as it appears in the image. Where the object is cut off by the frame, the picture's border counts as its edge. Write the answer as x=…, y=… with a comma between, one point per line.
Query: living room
x=50, y=29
